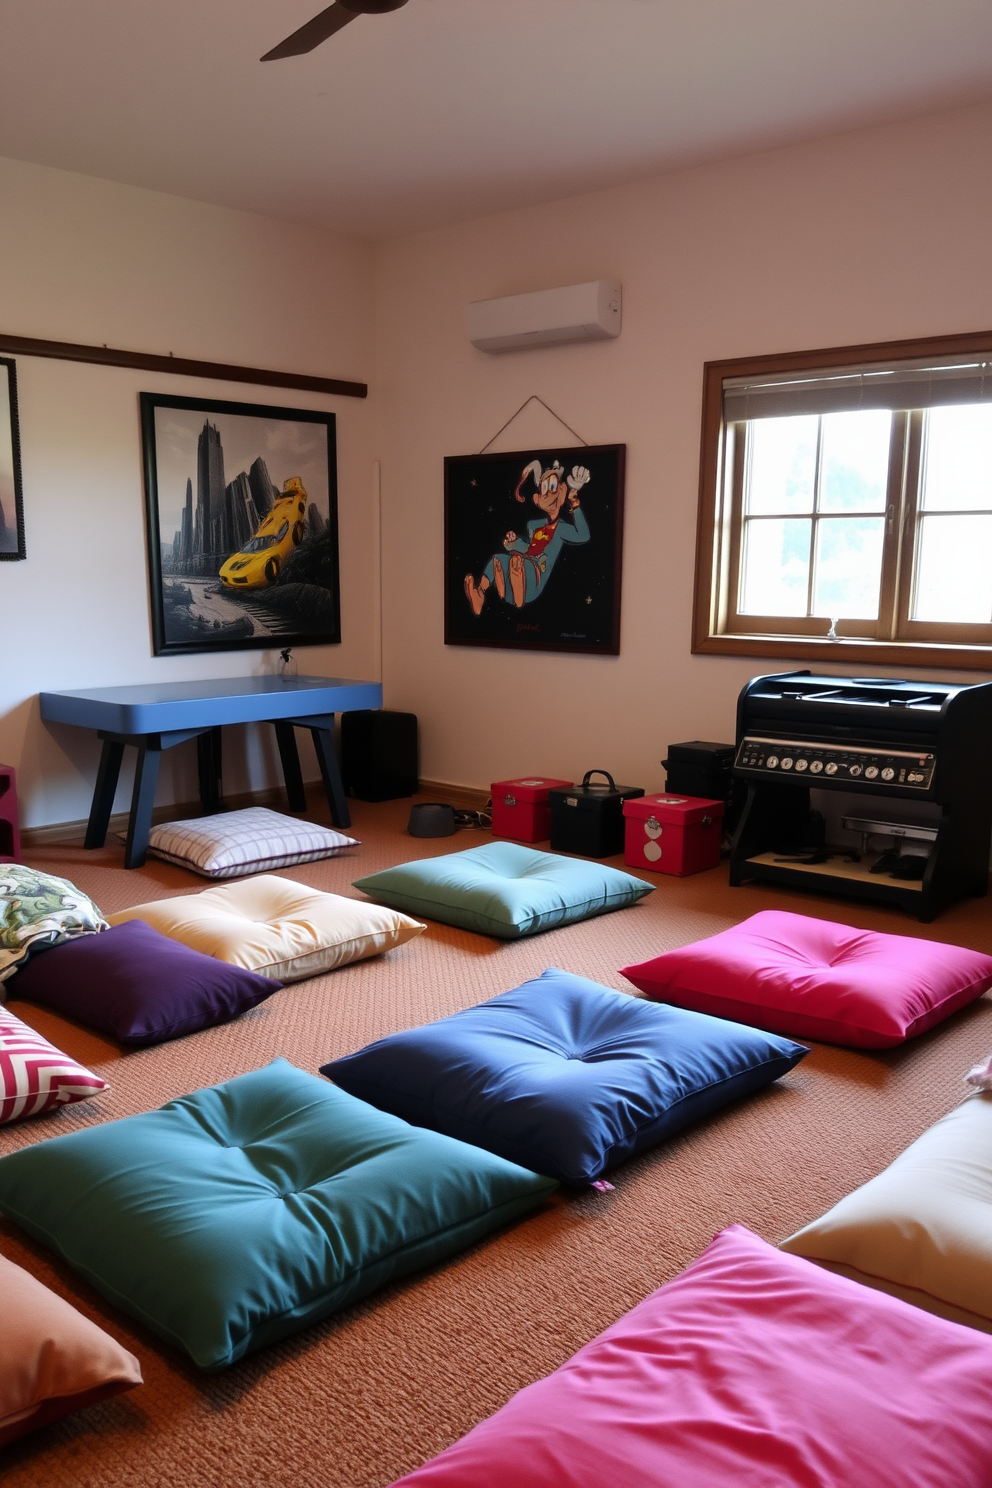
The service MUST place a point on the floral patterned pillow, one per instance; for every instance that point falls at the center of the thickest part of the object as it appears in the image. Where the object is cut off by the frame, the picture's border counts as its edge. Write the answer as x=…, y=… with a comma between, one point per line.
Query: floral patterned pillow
x=39, y=910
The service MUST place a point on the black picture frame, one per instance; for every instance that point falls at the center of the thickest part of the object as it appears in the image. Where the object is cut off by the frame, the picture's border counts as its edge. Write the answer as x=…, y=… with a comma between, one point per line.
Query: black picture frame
x=227, y=570
x=503, y=594
x=12, y=545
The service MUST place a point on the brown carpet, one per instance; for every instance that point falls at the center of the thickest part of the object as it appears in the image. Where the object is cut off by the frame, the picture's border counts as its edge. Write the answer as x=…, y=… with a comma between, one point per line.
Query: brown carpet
x=371, y=1393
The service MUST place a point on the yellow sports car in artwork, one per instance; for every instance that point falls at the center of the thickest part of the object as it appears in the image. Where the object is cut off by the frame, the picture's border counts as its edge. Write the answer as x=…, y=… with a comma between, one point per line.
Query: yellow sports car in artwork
x=259, y=561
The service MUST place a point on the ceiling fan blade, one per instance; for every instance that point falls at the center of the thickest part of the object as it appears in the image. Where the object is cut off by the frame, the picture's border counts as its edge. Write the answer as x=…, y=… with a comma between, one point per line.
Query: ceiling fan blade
x=313, y=33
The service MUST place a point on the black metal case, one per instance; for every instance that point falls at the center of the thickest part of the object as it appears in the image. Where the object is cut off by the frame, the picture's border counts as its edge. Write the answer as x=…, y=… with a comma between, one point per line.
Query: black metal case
x=587, y=819
x=700, y=768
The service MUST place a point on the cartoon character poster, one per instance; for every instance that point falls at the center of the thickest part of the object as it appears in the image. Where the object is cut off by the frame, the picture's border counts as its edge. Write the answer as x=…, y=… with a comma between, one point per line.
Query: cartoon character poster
x=533, y=548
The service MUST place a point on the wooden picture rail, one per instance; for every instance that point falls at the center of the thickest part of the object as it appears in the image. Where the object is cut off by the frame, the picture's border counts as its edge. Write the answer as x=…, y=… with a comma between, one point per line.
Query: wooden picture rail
x=106, y=356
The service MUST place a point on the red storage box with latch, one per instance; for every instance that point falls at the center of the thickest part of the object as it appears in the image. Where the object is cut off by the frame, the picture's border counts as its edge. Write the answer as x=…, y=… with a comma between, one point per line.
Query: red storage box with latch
x=673, y=834
x=520, y=808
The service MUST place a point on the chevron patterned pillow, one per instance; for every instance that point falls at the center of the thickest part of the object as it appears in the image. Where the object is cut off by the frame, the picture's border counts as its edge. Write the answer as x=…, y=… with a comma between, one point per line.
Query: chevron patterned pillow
x=35, y=1076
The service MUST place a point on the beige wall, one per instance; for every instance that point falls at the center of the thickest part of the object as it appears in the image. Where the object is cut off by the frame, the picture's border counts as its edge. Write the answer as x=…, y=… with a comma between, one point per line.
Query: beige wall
x=876, y=235
x=86, y=260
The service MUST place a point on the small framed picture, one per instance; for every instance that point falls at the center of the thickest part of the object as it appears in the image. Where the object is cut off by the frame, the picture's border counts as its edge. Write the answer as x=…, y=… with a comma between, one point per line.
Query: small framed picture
x=11, y=495
x=534, y=548
x=242, y=525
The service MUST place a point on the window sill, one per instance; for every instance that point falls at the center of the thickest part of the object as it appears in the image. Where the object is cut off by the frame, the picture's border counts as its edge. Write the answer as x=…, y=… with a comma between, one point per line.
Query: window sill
x=848, y=651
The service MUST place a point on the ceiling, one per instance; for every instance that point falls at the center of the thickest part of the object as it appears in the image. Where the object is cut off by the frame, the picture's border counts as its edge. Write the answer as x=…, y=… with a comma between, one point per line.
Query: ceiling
x=450, y=108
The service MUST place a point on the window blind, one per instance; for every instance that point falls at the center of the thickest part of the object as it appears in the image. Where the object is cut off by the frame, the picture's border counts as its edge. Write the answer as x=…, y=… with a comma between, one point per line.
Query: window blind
x=898, y=385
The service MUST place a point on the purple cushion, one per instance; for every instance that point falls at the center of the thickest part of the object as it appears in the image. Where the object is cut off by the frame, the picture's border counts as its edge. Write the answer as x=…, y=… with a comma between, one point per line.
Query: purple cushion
x=138, y=985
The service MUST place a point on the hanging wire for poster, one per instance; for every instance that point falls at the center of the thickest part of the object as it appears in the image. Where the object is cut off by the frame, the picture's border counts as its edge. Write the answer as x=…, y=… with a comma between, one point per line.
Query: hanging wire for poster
x=534, y=399
x=377, y=571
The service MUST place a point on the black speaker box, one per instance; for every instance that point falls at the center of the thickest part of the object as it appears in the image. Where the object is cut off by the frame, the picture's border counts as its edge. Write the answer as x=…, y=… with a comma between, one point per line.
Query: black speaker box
x=380, y=759
x=701, y=768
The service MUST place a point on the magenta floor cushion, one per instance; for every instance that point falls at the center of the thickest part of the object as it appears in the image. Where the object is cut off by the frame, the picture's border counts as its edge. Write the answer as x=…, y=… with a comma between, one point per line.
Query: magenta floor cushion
x=809, y=978
x=753, y=1369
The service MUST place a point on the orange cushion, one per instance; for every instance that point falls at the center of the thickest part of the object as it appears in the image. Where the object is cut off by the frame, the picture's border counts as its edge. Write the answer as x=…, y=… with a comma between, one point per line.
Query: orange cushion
x=53, y=1361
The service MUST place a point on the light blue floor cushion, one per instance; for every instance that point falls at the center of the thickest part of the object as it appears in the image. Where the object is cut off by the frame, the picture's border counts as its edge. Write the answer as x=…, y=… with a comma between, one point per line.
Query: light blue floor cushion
x=504, y=889
x=241, y=1213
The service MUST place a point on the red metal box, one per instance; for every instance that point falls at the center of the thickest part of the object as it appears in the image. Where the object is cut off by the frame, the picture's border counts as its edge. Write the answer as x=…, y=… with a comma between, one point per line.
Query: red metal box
x=520, y=808
x=673, y=834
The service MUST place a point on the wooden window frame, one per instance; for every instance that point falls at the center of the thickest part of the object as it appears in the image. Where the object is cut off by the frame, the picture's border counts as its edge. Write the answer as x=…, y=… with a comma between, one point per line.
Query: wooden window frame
x=895, y=641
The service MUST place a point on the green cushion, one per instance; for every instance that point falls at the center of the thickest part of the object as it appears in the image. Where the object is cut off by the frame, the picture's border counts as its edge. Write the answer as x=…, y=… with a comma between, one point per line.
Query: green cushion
x=240, y=1214
x=38, y=910
x=504, y=889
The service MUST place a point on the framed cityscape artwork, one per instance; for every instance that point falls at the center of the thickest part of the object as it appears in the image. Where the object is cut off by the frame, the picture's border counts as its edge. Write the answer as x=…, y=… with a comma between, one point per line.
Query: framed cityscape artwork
x=11, y=496
x=533, y=549
x=242, y=525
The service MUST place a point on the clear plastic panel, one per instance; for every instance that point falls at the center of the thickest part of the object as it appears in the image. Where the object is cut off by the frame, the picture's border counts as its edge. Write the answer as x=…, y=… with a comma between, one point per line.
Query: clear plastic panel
x=775, y=566
x=855, y=461
x=783, y=467
x=848, y=567
x=954, y=570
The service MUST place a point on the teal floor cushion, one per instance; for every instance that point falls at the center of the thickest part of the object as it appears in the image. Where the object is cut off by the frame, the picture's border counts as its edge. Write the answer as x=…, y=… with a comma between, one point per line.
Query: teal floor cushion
x=240, y=1214
x=504, y=889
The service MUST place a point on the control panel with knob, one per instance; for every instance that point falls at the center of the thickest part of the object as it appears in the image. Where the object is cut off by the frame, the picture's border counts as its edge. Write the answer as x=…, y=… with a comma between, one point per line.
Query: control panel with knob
x=848, y=765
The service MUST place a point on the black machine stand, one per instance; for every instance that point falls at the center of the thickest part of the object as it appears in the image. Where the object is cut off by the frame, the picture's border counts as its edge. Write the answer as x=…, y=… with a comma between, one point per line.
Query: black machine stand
x=906, y=772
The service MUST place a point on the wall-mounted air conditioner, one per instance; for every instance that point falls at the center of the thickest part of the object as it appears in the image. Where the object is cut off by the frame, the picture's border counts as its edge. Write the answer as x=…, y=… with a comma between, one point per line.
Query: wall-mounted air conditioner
x=548, y=317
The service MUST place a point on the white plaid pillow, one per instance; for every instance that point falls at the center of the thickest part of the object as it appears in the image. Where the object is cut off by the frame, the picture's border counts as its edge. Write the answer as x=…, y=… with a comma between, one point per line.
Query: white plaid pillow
x=234, y=843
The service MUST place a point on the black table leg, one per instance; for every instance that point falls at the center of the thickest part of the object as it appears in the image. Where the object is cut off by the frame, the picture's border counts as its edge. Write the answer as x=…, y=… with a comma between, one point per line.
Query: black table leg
x=142, y=799
x=291, y=772
x=103, y=793
x=210, y=769
x=331, y=776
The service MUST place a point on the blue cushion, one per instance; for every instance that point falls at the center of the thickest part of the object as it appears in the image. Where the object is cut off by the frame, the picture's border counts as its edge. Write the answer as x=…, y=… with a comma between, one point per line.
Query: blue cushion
x=565, y=1076
x=504, y=889
x=239, y=1214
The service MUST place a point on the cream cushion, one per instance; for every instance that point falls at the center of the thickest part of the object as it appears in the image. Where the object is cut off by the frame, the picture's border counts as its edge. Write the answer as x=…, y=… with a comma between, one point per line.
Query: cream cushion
x=276, y=927
x=921, y=1230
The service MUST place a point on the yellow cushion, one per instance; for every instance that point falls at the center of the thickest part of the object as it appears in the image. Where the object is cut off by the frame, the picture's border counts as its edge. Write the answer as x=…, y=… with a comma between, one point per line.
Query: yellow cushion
x=923, y=1228
x=276, y=927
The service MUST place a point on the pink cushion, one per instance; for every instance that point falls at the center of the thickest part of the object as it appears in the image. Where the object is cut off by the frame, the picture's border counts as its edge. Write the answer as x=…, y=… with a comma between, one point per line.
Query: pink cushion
x=812, y=979
x=34, y=1075
x=751, y=1368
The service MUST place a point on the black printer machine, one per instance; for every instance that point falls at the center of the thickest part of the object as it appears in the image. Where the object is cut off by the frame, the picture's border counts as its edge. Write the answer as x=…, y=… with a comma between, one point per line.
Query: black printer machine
x=906, y=768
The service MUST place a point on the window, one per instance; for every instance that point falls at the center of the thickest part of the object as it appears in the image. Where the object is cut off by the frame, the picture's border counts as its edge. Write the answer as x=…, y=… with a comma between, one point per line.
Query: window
x=846, y=505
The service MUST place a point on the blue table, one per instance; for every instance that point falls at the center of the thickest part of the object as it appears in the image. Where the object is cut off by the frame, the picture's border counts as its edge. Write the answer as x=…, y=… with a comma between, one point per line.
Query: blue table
x=156, y=715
